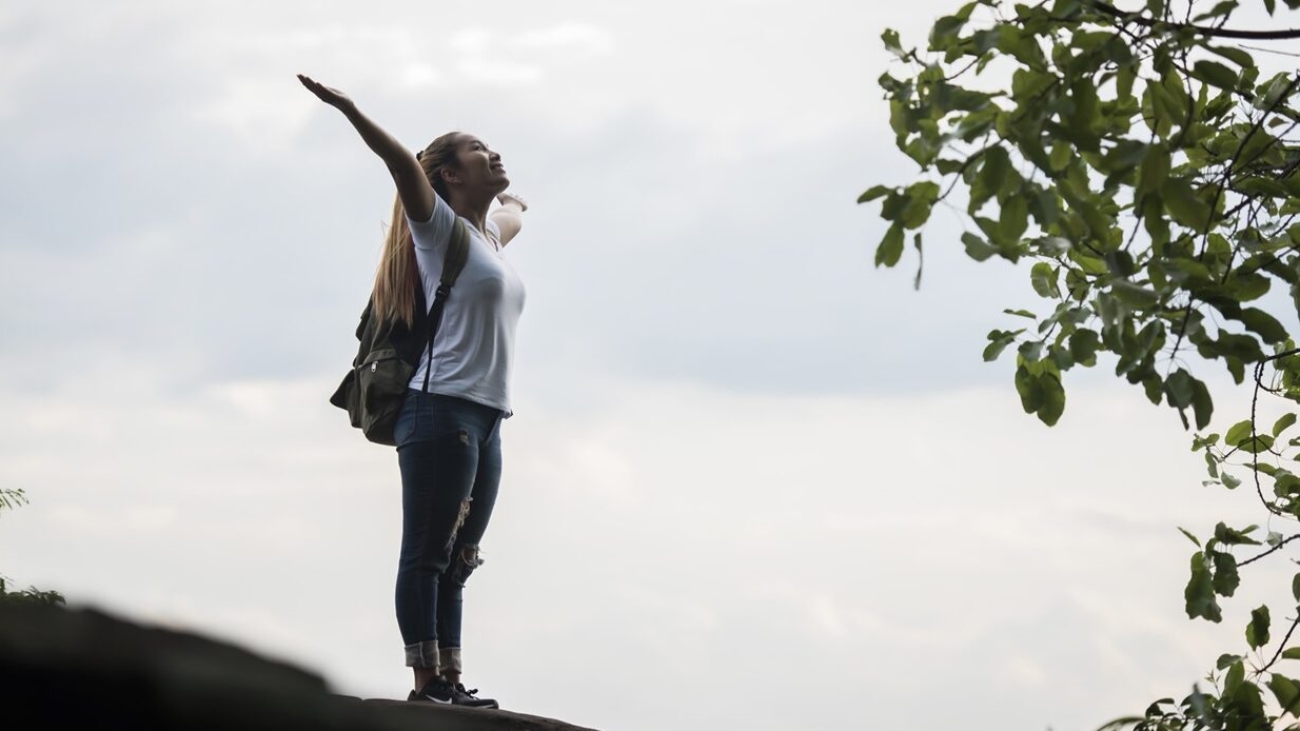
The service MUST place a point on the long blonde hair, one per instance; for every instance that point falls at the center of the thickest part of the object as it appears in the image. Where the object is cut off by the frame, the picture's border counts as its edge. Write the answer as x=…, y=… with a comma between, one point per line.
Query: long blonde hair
x=399, y=274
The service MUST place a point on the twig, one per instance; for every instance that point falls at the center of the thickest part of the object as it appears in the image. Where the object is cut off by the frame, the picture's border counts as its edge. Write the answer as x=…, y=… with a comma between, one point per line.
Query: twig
x=1254, y=437
x=1258, y=35
x=1270, y=551
x=1281, y=647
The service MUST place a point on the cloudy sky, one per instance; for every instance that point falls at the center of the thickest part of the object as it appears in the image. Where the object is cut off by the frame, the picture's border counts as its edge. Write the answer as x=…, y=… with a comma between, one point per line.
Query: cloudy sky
x=752, y=481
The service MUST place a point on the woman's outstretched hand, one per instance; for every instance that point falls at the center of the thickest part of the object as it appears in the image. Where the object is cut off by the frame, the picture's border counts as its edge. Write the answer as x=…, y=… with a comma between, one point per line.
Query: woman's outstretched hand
x=332, y=97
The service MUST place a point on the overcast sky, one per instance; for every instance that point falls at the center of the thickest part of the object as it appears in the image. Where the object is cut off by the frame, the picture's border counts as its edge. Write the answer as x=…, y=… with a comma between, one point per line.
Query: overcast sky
x=752, y=481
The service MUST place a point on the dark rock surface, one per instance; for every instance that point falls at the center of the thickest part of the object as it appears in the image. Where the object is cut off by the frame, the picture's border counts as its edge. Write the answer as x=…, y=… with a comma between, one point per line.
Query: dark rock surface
x=80, y=669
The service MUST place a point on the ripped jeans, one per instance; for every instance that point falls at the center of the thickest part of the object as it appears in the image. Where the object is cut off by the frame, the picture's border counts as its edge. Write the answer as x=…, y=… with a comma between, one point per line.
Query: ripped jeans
x=449, y=452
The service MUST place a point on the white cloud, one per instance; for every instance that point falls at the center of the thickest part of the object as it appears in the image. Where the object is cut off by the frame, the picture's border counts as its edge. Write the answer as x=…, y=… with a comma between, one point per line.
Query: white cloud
x=585, y=39
x=497, y=71
x=472, y=40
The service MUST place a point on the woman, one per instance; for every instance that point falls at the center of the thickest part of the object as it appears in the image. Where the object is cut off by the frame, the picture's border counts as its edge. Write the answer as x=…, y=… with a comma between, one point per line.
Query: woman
x=448, y=438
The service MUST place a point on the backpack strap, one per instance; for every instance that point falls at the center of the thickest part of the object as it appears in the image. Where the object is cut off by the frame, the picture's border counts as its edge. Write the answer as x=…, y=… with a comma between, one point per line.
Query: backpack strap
x=452, y=265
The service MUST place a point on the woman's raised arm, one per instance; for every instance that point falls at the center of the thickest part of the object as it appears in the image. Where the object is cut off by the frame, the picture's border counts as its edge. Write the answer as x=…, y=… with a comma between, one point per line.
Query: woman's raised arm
x=507, y=217
x=412, y=186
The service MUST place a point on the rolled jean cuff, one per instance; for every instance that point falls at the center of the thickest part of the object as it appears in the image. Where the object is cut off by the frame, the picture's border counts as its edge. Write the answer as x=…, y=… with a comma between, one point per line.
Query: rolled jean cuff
x=450, y=660
x=422, y=655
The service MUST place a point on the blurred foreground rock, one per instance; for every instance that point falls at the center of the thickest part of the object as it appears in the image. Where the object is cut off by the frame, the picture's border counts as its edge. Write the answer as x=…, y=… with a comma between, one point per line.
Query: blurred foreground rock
x=81, y=669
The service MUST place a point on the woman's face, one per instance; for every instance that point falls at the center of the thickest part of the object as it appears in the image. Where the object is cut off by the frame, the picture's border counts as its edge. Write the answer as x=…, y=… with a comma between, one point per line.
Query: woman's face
x=479, y=166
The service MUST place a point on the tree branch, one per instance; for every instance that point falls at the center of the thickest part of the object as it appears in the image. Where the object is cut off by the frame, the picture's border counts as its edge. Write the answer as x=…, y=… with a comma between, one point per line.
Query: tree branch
x=1270, y=551
x=1281, y=648
x=1258, y=35
x=1254, y=437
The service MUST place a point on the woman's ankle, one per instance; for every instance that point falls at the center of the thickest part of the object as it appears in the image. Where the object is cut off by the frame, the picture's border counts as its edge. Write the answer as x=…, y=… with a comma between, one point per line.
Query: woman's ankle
x=423, y=676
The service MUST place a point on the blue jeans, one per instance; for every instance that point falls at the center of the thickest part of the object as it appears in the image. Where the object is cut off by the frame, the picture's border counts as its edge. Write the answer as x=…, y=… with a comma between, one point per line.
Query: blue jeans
x=449, y=452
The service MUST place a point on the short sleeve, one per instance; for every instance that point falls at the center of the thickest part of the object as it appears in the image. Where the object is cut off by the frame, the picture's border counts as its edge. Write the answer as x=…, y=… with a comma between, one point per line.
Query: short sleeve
x=434, y=233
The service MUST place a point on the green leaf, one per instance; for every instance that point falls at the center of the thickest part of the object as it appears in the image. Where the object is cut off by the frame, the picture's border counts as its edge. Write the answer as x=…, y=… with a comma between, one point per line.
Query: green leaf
x=1154, y=170
x=1053, y=399
x=891, y=248
x=1269, y=329
x=1263, y=187
x=1179, y=388
x=1286, y=692
x=920, y=200
x=1221, y=9
x=1235, y=55
x=1031, y=393
x=1226, y=661
x=1295, y=587
x=1238, y=433
x=1197, y=541
x=1226, y=579
x=1014, y=219
x=1215, y=74
x=1283, y=423
x=945, y=29
x=1060, y=156
x=1256, y=444
x=1230, y=482
x=1172, y=84
x=1083, y=346
x=890, y=39
x=874, y=192
x=995, y=170
x=1134, y=294
x=1257, y=630
x=1233, y=537
x=1020, y=44
x=1199, y=593
x=1043, y=277
x=1285, y=484
x=1183, y=204
x=1232, y=681
x=1202, y=404
x=1242, y=285
x=998, y=342
x=1085, y=116
x=977, y=248
x=1291, y=653
x=1242, y=348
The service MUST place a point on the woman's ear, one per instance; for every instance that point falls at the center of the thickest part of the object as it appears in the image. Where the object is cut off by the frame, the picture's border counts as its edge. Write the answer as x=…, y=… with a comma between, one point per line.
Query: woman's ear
x=449, y=176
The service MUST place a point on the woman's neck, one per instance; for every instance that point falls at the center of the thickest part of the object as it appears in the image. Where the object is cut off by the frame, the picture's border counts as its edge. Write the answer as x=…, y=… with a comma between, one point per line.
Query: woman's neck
x=474, y=211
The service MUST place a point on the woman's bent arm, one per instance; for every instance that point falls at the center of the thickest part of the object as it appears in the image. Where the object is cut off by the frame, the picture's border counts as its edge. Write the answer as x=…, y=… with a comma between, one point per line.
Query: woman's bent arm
x=412, y=186
x=507, y=217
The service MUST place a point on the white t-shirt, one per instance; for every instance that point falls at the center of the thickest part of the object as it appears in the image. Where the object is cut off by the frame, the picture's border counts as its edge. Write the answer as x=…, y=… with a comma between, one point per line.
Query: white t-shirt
x=474, y=347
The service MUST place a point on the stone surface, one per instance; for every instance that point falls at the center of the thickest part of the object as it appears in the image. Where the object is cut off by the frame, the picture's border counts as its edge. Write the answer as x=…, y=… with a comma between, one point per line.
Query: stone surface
x=85, y=669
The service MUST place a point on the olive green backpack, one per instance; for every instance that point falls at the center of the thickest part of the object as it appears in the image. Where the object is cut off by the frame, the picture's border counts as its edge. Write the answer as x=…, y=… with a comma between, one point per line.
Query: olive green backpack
x=374, y=389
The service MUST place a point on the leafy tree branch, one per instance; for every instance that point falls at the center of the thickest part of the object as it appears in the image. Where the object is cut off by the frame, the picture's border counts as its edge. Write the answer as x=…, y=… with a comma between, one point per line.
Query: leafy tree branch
x=1143, y=172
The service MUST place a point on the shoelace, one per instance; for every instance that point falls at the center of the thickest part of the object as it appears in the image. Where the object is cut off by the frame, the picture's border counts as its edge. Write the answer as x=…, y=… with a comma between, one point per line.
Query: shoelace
x=461, y=688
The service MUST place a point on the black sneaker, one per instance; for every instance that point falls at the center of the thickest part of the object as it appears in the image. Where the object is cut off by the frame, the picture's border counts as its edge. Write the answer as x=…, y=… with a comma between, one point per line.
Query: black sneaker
x=443, y=693
x=437, y=691
x=463, y=697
